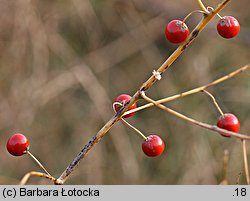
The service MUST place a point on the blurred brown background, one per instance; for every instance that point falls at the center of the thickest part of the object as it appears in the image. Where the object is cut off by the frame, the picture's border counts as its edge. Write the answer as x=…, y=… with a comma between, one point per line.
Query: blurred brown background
x=63, y=62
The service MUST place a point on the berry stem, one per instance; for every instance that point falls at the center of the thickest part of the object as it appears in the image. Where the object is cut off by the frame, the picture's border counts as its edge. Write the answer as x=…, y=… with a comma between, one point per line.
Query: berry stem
x=26, y=177
x=128, y=124
x=135, y=129
x=244, y=149
x=192, y=91
x=219, y=16
x=38, y=162
x=202, y=6
x=214, y=101
x=212, y=9
x=195, y=11
x=198, y=123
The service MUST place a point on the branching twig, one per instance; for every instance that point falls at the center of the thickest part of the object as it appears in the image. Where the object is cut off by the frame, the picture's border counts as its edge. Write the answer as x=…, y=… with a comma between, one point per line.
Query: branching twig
x=198, y=123
x=145, y=86
x=192, y=91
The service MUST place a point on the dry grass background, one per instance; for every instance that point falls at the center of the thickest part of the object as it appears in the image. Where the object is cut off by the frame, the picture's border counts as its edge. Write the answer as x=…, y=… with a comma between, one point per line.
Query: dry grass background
x=63, y=62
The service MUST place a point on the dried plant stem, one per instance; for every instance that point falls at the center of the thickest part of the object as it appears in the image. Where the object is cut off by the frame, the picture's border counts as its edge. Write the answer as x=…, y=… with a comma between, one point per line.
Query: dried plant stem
x=193, y=91
x=198, y=123
x=244, y=149
x=225, y=167
x=26, y=177
x=38, y=162
x=214, y=101
x=145, y=86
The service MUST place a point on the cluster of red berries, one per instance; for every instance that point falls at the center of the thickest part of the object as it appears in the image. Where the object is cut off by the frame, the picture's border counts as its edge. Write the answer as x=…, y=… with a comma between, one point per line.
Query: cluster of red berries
x=177, y=31
x=18, y=144
x=154, y=145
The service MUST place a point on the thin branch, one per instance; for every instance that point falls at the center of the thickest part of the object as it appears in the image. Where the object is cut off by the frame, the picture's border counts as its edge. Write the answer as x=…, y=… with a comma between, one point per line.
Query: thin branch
x=192, y=91
x=244, y=149
x=145, y=86
x=198, y=123
x=26, y=177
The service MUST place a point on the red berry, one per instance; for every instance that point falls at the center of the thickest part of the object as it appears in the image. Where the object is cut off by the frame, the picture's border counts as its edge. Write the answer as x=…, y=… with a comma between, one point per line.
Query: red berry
x=123, y=99
x=228, y=27
x=153, y=146
x=176, y=31
x=229, y=122
x=17, y=144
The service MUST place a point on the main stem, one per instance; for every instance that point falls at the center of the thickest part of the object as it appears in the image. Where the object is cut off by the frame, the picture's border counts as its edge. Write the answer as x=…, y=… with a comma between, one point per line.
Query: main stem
x=145, y=86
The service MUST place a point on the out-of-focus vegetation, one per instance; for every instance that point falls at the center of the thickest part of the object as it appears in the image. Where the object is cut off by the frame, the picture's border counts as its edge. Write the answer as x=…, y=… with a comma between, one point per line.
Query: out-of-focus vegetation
x=63, y=62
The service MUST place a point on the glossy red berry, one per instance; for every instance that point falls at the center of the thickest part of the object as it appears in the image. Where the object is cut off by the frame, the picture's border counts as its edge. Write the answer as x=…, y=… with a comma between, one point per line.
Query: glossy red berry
x=176, y=31
x=228, y=27
x=229, y=122
x=153, y=146
x=17, y=144
x=123, y=99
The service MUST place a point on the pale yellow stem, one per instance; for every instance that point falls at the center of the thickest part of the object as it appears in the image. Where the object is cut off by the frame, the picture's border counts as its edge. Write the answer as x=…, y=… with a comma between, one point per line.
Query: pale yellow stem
x=38, y=162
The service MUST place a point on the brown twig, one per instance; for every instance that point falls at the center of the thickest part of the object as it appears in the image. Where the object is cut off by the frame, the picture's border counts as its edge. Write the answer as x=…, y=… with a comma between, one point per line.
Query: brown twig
x=192, y=91
x=145, y=86
x=198, y=123
x=244, y=149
